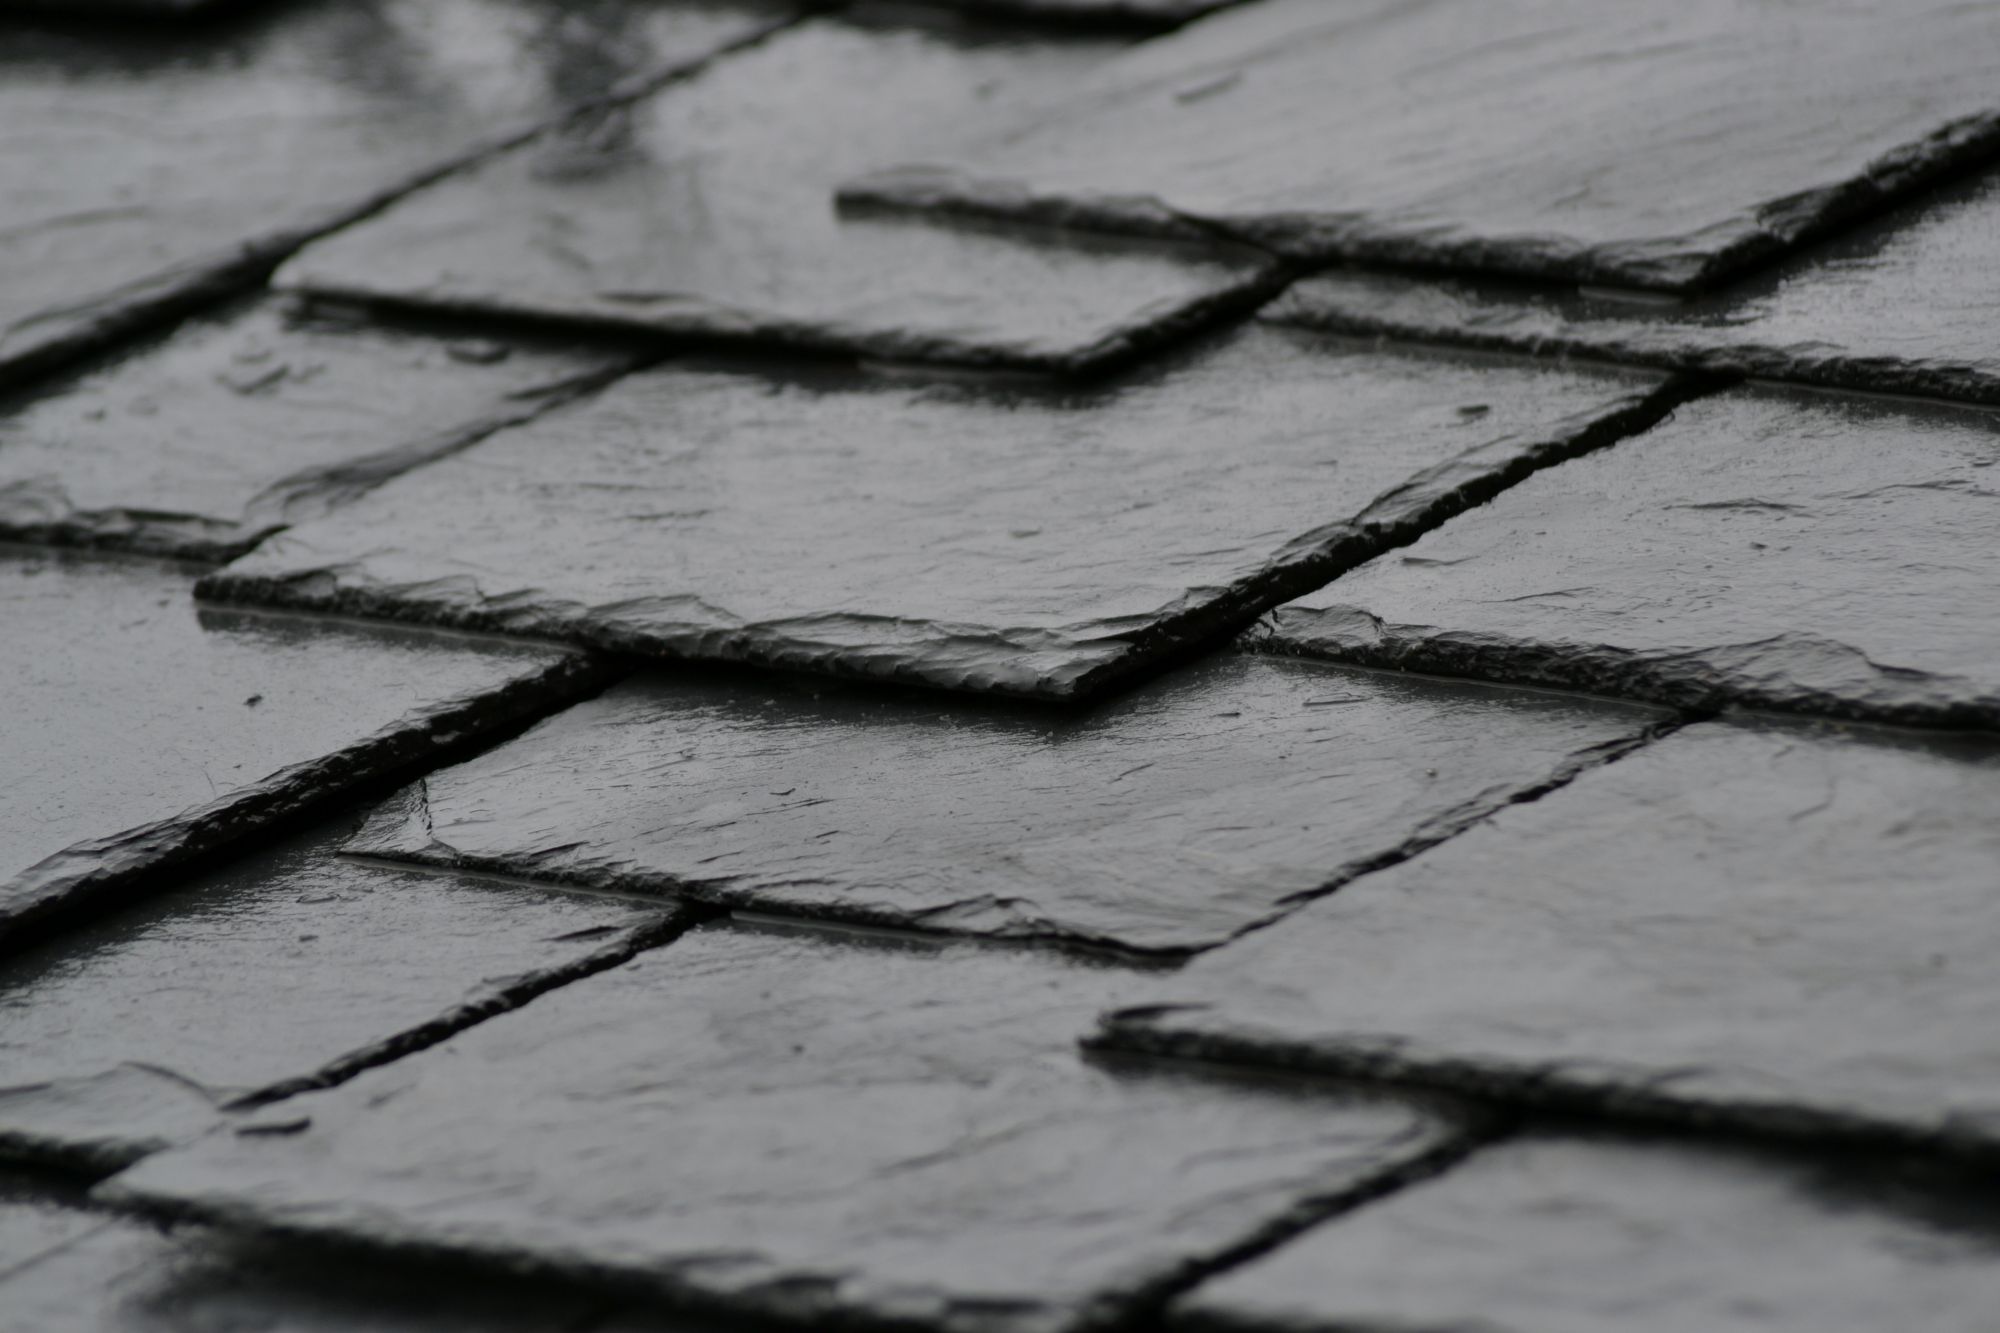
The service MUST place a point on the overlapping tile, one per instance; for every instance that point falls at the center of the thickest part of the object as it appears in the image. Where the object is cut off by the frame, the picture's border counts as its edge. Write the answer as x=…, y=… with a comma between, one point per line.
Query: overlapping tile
x=153, y=166
x=814, y=1127
x=1785, y=925
x=140, y=731
x=1785, y=550
x=981, y=536
x=1902, y=305
x=1172, y=818
x=706, y=210
x=231, y=427
x=1560, y=1234
x=1576, y=139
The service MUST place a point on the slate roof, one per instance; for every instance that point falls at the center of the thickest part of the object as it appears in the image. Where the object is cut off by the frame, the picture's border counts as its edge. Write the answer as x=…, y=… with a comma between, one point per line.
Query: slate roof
x=1043, y=665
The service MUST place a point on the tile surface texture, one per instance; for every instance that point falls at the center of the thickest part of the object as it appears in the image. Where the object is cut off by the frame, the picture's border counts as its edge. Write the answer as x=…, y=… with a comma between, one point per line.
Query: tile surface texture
x=1577, y=1235
x=200, y=442
x=707, y=209
x=980, y=536
x=152, y=165
x=1794, y=551
x=1170, y=818
x=1780, y=924
x=140, y=730
x=1578, y=139
x=813, y=1127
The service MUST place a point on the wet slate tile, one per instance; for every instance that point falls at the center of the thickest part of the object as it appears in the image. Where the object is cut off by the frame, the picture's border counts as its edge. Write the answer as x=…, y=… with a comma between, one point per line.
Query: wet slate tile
x=1171, y=818
x=1778, y=924
x=811, y=1126
x=1559, y=1234
x=1148, y=13
x=1571, y=139
x=706, y=210
x=154, y=166
x=141, y=731
x=225, y=430
x=981, y=535
x=1772, y=549
x=1902, y=305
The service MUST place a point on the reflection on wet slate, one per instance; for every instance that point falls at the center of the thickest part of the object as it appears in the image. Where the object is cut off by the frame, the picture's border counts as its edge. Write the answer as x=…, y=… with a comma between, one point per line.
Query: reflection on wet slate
x=1171, y=818
x=138, y=1030
x=1904, y=305
x=149, y=166
x=707, y=209
x=812, y=1127
x=1782, y=550
x=139, y=732
x=1601, y=140
x=1558, y=1234
x=229, y=428
x=975, y=536
x=1782, y=924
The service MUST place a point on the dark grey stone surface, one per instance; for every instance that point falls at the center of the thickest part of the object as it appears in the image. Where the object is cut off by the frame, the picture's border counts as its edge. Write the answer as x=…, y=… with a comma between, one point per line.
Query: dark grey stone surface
x=1577, y=139
x=811, y=1126
x=227, y=429
x=981, y=535
x=1774, y=549
x=1785, y=925
x=283, y=969
x=1556, y=1234
x=152, y=167
x=707, y=210
x=1171, y=818
x=1902, y=305
x=140, y=731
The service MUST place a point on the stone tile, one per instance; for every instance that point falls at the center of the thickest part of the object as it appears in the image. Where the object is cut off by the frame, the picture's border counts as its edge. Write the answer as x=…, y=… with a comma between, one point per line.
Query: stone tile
x=809, y=1126
x=1786, y=925
x=1781, y=550
x=141, y=731
x=155, y=166
x=1171, y=818
x=706, y=210
x=1556, y=1234
x=1138, y=12
x=1901, y=305
x=981, y=535
x=224, y=431
x=280, y=970
x=1572, y=139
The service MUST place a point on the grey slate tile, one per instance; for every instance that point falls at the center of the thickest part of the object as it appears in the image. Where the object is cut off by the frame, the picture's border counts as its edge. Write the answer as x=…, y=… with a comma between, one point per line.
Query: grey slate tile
x=219, y=433
x=140, y=731
x=706, y=210
x=808, y=1126
x=1558, y=1234
x=1901, y=305
x=982, y=536
x=1780, y=925
x=279, y=970
x=1772, y=549
x=1135, y=12
x=1171, y=818
x=1576, y=139
x=152, y=167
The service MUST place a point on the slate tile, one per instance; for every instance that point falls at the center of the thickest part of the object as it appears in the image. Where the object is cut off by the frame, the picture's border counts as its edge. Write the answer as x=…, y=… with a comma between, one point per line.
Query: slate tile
x=972, y=535
x=232, y=426
x=1559, y=1234
x=1778, y=924
x=1171, y=818
x=706, y=210
x=1902, y=305
x=154, y=166
x=1772, y=549
x=1572, y=139
x=809, y=1126
x=141, y=731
